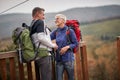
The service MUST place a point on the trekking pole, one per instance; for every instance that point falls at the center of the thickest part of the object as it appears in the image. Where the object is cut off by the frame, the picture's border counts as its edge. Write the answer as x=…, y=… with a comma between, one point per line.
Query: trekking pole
x=19, y=53
x=53, y=64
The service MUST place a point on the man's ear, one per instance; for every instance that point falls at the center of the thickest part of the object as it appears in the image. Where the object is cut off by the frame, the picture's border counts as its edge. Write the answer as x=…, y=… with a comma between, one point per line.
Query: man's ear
x=36, y=14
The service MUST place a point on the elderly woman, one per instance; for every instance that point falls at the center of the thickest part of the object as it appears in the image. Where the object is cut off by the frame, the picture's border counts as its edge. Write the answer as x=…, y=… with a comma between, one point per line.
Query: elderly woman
x=64, y=53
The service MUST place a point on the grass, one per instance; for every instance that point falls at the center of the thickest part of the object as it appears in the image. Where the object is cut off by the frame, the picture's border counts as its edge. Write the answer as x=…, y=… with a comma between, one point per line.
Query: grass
x=6, y=45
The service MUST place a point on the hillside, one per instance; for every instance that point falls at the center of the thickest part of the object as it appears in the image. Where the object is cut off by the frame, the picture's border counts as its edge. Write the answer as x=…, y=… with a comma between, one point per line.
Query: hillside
x=105, y=30
x=90, y=14
x=8, y=22
x=100, y=38
x=93, y=34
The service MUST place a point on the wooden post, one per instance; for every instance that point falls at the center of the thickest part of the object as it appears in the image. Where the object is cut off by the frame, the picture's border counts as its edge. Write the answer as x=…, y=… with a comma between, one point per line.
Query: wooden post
x=21, y=70
x=29, y=70
x=84, y=61
x=118, y=52
x=12, y=66
x=12, y=69
x=78, y=70
x=65, y=76
x=3, y=69
x=3, y=57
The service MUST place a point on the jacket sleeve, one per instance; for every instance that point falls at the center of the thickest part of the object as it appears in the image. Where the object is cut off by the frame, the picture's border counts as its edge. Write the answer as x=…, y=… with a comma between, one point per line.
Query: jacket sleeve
x=53, y=35
x=41, y=35
x=45, y=40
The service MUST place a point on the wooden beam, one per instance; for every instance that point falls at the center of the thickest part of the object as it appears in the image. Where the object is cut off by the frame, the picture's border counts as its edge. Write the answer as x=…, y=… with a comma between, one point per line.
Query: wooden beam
x=21, y=70
x=10, y=54
x=84, y=61
x=29, y=70
x=78, y=65
x=12, y=69
x=3, y=69
x=118, y=52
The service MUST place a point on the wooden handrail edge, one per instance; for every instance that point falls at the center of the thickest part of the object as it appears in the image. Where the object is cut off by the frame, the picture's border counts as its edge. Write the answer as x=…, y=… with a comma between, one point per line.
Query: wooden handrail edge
x=82, y=43
x=9, y=54
x=118, y=37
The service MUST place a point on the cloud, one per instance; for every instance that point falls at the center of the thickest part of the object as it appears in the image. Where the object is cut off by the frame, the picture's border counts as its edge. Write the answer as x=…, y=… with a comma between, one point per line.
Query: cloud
x=51, y=5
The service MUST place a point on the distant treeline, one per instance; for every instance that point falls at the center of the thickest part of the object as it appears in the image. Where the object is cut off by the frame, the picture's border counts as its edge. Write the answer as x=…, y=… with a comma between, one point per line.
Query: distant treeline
x=101, y=20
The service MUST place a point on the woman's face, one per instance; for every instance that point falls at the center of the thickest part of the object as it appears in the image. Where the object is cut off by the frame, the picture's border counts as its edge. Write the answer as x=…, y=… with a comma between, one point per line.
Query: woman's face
x=59, y=21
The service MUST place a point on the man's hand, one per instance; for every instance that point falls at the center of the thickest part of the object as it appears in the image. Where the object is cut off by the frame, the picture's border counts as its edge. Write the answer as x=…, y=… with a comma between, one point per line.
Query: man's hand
x=55, y=47
x=64, y=49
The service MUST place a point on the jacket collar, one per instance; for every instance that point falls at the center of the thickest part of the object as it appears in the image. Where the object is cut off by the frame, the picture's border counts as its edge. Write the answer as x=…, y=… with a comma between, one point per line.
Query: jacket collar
x=64, y=28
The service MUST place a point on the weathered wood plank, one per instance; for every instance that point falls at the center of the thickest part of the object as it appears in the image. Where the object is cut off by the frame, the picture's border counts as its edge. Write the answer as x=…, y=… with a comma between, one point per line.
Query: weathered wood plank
x=6, y=55
x=81, y=69
x=3, y=69
x=78, y=66
x=65, y=75
x=21, y=71
x=118, y=52
x=12, y=69
x=29, y=70
x=84, y=62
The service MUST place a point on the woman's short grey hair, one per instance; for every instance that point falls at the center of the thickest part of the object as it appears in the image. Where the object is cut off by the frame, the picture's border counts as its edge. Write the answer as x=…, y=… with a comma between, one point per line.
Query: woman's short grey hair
x=61, y=16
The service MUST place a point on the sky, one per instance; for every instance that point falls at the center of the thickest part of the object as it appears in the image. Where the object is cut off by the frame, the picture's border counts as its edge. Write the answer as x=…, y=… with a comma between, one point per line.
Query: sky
x=50, y=5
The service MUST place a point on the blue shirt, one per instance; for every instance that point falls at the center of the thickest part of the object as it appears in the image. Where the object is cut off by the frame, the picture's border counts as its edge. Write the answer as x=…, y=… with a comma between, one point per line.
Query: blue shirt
x=61, y=40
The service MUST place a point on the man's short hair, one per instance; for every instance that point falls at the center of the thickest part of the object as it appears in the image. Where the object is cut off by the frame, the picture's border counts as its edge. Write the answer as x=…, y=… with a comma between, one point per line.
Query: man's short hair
x=37, y=9
x=61, y=16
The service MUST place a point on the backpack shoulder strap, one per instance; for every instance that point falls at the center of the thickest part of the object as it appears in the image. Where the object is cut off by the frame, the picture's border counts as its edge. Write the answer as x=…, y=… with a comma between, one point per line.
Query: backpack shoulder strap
x=32, y=24
x=68, y=35
x=47, y=28
x=56, y=32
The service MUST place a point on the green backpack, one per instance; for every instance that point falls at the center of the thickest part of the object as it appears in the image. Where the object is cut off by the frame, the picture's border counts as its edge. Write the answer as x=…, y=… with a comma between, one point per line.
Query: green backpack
x=25, y=47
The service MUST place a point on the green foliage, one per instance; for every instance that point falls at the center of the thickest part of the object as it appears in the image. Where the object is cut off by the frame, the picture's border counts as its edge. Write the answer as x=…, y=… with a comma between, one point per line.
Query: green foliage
x=11, y=47
x=6, y=45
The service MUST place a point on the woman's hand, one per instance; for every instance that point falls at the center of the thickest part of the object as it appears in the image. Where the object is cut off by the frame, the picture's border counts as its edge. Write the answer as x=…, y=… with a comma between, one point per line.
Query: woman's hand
x=64, y=49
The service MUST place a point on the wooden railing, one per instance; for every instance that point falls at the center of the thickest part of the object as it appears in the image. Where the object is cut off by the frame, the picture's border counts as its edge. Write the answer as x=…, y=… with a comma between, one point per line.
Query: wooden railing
x=12, y=69
x=118, y=51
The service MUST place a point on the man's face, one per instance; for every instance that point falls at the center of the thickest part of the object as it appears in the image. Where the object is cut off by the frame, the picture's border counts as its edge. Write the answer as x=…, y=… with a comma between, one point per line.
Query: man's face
x=40, y=15
x=59, y=21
